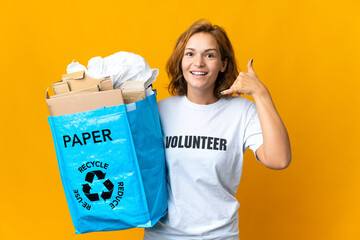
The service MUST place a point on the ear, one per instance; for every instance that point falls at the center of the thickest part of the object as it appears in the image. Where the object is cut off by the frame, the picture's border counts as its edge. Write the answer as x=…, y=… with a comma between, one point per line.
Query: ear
x=223, y=65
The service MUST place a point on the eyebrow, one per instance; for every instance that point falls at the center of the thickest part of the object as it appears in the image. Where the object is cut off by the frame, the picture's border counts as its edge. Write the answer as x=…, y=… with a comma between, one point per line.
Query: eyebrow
x=207, y=50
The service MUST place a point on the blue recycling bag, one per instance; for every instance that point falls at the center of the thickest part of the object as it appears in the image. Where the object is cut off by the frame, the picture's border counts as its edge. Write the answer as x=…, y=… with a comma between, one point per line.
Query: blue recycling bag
x=112, y=166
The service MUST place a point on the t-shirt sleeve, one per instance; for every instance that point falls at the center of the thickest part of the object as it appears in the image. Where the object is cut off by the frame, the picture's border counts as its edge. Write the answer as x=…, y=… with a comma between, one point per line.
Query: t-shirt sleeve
x=253, y=137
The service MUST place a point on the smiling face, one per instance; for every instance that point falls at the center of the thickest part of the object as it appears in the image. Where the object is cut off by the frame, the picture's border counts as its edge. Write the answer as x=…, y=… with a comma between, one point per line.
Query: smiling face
x=201, y=63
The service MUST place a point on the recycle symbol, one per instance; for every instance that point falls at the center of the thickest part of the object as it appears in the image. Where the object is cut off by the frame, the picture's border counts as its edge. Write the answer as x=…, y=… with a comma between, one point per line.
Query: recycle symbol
x=95, y=196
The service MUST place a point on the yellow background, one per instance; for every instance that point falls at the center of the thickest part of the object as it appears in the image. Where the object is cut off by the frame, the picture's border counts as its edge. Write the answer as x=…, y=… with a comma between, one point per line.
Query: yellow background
x=305, y=52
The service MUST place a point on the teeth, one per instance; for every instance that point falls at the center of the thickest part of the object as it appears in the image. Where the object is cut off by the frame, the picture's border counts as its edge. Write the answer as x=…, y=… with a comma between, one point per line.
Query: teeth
x=199, y=73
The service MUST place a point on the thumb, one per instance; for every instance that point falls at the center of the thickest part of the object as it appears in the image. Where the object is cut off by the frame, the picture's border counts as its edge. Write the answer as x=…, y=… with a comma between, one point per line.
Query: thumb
x=250, y=67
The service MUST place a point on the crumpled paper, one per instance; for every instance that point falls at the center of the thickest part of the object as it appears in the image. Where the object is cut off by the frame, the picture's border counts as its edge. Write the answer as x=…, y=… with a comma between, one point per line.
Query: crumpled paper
x=121, y=67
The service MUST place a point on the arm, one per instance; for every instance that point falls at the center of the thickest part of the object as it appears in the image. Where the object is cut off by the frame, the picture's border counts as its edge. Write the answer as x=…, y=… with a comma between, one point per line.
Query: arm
x=275, y=152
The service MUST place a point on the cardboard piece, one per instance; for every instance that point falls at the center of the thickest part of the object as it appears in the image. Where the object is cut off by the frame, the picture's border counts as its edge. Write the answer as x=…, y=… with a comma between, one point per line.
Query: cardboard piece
x=83, y=102
x=79, y=80
x=106, y=84
x=85, y=90
x=60, y=87
x=133, y=91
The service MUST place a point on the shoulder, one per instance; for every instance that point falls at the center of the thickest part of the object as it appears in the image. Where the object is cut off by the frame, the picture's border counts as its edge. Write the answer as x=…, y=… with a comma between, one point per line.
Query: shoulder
x=169, y=103
x=170, y=99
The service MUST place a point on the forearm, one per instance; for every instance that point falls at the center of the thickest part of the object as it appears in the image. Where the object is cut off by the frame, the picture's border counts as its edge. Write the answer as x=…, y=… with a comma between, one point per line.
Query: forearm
x=276, y=152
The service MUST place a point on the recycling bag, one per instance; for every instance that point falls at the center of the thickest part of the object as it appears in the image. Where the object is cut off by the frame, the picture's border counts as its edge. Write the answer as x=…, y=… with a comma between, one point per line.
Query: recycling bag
x=112, y=166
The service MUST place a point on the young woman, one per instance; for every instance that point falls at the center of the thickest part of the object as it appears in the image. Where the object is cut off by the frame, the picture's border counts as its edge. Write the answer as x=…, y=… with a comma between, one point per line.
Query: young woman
x=206, y=132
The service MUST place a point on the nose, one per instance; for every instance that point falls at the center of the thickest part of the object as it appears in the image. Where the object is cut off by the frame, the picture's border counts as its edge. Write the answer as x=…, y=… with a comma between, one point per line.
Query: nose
x=199, y=61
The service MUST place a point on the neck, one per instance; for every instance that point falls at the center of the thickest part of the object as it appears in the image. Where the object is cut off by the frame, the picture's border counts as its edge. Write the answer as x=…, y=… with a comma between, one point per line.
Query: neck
x=201, y=97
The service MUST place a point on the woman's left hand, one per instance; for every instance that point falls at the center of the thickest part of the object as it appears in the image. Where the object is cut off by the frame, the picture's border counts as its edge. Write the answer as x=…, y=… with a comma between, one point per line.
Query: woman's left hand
x=247, y=83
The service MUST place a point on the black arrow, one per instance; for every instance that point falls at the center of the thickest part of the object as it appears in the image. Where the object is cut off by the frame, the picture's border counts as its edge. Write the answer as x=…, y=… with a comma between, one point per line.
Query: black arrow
x=86, y=188
x=109, y=185
x=106, y=195
x=92, y=197
x=89, y=177
x=99, y=174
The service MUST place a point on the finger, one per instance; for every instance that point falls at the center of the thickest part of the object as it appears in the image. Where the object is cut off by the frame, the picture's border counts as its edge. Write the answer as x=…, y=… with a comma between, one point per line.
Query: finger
x=250, y=67
x=227, y=91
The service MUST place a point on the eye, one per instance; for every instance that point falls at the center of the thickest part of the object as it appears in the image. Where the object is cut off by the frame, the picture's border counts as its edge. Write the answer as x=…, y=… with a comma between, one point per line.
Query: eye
x=189, y=54
x=209, y=55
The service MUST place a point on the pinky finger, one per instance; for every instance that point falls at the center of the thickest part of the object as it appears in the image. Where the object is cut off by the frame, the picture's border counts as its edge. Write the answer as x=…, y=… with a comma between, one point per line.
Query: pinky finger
x=228, y=91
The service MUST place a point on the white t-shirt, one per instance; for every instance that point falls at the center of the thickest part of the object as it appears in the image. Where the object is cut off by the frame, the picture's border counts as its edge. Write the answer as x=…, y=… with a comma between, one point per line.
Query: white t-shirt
x=204, y=147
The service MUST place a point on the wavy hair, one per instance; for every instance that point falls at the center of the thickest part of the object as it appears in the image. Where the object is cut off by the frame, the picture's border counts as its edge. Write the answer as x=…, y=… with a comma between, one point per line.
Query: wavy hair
x=178, y=85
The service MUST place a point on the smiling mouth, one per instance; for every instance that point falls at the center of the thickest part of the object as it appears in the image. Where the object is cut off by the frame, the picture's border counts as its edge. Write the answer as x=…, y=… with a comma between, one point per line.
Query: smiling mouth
x=197, y=73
